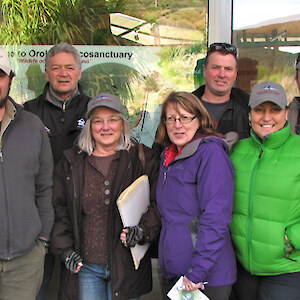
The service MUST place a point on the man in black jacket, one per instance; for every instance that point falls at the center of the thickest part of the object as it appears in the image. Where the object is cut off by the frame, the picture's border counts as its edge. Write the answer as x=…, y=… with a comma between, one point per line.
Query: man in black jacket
x=62, y=108
x=62, y=105
x=227, y=105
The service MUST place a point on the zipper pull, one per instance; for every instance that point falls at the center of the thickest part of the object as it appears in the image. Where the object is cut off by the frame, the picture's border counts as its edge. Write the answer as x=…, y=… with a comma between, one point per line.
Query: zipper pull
x=165, y=177
x=1, y=156
x=260, y=153
x=64, y=106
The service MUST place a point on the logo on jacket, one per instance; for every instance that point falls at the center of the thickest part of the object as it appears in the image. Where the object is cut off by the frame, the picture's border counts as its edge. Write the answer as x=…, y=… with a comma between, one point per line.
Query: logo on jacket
x=47, y=130
x=80, y=123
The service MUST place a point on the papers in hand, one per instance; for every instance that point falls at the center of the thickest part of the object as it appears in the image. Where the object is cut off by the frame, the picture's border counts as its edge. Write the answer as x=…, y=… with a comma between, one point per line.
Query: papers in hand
x=132, y=203
x=176, y=293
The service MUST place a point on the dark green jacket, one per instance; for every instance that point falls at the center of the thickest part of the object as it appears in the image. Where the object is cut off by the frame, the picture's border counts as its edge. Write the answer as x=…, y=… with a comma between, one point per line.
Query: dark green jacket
x=267, y=202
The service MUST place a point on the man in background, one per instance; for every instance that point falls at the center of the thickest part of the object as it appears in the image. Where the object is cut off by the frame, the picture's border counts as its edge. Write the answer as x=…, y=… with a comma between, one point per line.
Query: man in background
x=294, y=116
x=26, y=213
x=62, y=108
x=227, y=105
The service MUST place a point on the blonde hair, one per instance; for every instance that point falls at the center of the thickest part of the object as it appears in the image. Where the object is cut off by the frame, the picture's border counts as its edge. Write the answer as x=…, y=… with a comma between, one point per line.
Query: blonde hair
x=86, y=141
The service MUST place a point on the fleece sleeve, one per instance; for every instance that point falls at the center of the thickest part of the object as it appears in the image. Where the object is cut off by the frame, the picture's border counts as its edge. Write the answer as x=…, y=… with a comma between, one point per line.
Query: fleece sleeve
x=43, y=186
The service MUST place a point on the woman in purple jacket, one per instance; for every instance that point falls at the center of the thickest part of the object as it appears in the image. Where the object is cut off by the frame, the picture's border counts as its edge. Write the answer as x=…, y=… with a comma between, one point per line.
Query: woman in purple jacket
x=194, y=196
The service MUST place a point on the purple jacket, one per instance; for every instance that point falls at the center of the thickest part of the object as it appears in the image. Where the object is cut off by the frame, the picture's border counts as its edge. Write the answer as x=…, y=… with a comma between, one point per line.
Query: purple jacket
x=194, y=198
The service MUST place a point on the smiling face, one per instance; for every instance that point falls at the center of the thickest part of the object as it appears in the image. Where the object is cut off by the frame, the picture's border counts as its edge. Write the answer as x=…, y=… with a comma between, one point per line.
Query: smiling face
x=180, y=134
x=267, y=118
x=63, y=74
x=220, y=74
x=107, y=127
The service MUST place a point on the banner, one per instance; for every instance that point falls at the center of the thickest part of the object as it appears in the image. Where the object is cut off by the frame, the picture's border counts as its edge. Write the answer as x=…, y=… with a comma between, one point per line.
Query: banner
x=142, y=76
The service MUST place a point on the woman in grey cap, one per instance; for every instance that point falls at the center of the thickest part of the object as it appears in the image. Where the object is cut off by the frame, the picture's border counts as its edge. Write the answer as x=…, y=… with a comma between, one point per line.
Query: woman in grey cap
x=87, y=229
x=266, y=212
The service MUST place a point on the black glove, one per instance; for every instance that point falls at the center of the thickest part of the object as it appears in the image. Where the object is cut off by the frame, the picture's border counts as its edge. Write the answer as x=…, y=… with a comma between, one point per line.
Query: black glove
x=72, y=261
x=135, y=235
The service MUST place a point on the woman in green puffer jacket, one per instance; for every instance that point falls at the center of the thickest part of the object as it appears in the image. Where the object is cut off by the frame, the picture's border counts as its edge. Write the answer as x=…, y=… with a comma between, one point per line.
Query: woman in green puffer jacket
x=266, y=213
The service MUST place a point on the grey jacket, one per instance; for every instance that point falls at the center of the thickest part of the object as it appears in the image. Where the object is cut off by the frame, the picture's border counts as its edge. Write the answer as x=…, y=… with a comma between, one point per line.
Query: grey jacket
x=26, y=175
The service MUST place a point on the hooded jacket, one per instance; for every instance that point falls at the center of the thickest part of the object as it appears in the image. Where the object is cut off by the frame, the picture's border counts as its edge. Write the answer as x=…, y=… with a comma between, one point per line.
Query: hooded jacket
x=194, y=198
x=267, y=202
x=126, y=282
x=26, y=172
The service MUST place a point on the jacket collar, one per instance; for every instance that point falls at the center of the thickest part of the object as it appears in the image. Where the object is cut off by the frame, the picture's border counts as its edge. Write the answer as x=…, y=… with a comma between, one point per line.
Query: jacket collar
x=49, y=96
x=189, y=149
x=273, y=140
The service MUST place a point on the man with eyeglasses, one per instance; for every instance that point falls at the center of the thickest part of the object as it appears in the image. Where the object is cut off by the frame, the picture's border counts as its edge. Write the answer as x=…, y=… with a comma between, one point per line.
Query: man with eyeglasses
x=294, y=115
x=227, y=105
x=62, y=108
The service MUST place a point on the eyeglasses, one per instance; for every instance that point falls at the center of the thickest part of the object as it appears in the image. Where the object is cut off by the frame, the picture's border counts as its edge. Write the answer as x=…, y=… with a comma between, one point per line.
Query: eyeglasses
x=111, y=121
x=219, y=46
x=182, y=120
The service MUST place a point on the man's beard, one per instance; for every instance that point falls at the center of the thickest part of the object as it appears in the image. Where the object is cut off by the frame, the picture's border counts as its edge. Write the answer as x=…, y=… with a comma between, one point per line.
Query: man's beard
x=3, y=101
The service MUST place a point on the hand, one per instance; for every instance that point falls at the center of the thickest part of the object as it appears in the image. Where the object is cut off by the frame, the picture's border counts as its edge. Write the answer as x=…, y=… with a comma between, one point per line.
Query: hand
x=73, y=262
x=123, y=236
x=132, y=235
x=288, y=247
x=191, y=286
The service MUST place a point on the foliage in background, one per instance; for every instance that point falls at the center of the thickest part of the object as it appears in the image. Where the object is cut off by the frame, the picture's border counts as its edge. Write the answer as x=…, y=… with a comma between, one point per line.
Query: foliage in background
x=31, y=22
x=178, y=63
x=274, y=65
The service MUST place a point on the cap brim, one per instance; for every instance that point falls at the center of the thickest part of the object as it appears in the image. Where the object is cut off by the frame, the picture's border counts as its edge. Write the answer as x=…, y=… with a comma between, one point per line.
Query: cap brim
x=257, y=103
x=5, y=69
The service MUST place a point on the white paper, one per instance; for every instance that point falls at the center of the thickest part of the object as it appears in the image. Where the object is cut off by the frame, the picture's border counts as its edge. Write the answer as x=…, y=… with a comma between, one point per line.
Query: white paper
x=132, y=204
x=174, y=293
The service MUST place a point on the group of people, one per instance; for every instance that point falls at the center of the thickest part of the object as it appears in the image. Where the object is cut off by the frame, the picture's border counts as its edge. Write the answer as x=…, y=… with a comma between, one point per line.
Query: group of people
x=224, y=195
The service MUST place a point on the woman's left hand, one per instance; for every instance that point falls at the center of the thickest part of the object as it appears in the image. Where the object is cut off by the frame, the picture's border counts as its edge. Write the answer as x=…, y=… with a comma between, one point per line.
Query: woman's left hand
x=191, y=286
x=123, y=236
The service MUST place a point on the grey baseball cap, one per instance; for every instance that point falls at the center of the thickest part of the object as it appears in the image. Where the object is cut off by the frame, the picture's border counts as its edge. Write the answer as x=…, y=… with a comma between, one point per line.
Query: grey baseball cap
x=268, y=91
x=104, y=100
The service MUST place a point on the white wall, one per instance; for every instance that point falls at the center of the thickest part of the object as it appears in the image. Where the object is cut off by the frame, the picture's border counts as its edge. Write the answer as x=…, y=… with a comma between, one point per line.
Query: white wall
x=219, y=21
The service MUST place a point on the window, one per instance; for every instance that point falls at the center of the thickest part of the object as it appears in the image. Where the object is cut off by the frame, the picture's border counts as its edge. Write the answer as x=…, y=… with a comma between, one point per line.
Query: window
x=267, y=35
x=154, y=48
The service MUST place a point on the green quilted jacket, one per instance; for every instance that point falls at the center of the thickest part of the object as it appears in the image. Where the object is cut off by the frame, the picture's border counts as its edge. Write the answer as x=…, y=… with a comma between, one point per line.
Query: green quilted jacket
x=267, y=203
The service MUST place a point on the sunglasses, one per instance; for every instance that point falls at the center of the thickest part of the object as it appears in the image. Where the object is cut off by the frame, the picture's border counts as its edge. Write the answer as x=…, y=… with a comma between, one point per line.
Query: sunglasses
x=219, y=46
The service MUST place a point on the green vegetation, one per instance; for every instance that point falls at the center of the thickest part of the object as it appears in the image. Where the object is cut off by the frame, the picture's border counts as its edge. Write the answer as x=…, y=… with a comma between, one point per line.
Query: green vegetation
x=42, y=22
x=274, y=65
x=30, y=22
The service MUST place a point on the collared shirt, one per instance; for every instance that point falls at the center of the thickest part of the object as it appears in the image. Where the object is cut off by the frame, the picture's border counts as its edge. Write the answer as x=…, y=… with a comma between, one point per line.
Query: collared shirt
x=52, y=97
x=9, y=115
